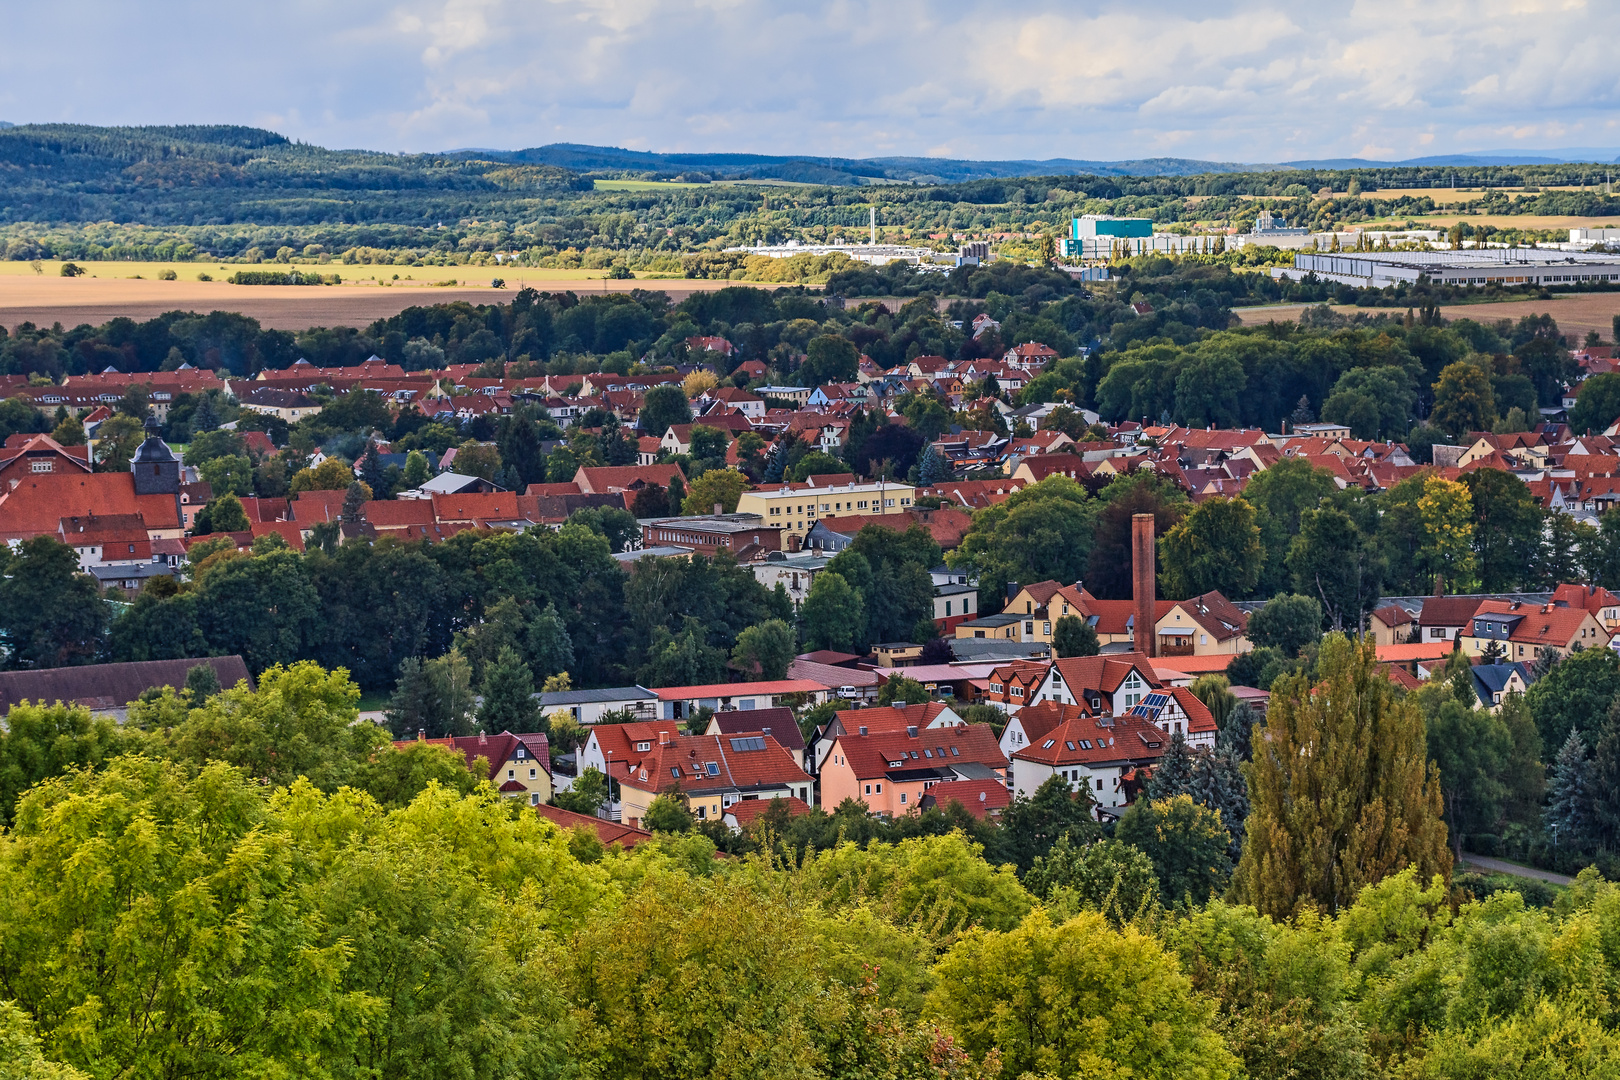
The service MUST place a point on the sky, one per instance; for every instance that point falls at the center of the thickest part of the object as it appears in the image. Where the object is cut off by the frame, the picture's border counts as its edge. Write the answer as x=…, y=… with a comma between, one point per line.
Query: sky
x=1237, y=81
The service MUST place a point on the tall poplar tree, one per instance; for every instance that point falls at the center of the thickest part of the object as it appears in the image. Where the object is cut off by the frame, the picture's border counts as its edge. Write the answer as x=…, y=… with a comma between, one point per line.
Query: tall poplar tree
x=1341, y=790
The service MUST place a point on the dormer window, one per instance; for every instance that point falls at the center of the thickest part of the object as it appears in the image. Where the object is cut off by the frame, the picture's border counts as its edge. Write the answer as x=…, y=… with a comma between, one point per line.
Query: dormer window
x=643, y=747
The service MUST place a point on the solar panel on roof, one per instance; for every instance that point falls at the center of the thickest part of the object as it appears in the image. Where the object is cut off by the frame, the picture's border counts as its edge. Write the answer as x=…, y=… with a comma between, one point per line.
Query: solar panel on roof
x=752, y=742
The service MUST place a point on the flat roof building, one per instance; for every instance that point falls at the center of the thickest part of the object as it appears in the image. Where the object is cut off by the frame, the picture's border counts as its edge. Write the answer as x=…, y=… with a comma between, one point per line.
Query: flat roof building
x=1490, y=266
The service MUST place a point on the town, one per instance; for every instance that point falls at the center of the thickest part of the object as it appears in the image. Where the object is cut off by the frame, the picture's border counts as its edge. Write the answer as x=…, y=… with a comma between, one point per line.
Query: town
x=526, y=554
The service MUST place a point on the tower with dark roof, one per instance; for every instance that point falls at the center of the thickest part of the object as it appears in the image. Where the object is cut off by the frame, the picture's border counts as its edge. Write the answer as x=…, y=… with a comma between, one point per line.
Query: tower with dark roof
x=156, y=469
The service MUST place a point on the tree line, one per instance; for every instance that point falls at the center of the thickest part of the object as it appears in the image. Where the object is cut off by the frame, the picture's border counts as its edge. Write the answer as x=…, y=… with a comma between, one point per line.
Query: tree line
x=268, y=887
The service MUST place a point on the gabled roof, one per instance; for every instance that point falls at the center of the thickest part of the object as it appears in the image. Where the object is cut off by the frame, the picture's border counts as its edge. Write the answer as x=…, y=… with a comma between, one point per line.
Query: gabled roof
x=37, y=505
x=881, y=753
x=890, y=718
x=497, y=750
x=981, y=798
x=1096, y=741
x=779, y=724
x=735, y=690
x=1104, y=672
x=747, y=811
x=111, y=686
x=1448, y=610
x=608, y=832
x=706, y=763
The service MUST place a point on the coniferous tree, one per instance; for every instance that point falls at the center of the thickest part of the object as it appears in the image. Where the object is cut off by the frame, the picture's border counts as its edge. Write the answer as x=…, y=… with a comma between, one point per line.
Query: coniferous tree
x=354, y=501
x=1217, y=782
x=1235, y=733
x=776, y=464
x=1173, y=773
x=1606, y=779
x=1570, y=817
x=1341, y=790
x=509, y=703
x=371, y=470
x=931, y=470
x=550, y=649
x=413, y=705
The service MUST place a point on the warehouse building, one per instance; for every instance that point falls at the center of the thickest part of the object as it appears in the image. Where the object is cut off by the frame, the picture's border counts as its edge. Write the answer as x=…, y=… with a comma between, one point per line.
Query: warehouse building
x=1492, y=266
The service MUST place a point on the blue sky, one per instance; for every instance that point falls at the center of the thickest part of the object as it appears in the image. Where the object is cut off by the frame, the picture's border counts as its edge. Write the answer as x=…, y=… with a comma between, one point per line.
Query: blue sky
x=1232, y=81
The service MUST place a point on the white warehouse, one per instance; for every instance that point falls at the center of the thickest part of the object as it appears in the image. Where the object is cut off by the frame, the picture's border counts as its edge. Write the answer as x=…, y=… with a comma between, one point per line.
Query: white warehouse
x=1494, y=266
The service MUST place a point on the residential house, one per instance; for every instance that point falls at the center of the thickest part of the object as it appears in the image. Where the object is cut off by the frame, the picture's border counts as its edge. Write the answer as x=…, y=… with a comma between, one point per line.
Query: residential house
x=1092, y=752
x=795, y=573
x=1517, y=631
x=891, y=771
x=795, y=507
x=710, y=773
x=744, y=536
x=880, y=720
x=38, y=455
x=779, y=724
x=1444, y=618
x=1391, y=624
x=1494, y=682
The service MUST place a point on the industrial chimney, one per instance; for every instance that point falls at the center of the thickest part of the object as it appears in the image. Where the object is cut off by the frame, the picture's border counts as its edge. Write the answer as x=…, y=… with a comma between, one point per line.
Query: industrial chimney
x=1144, y=588
x=874, y=225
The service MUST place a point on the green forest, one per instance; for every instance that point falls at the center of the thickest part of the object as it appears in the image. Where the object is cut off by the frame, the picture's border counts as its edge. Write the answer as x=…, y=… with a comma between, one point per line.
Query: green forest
x=245, y=882
x=245, y=194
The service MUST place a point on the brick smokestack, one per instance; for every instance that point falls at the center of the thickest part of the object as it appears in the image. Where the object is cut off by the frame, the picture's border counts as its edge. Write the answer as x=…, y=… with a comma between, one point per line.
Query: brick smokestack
x=1144, y=588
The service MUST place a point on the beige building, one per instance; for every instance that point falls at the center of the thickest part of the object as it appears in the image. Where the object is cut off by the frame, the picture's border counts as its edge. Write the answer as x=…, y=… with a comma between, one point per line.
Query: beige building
x=795, y=507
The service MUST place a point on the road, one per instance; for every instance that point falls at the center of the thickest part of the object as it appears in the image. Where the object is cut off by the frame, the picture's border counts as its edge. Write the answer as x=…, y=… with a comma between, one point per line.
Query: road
x=1502, y=866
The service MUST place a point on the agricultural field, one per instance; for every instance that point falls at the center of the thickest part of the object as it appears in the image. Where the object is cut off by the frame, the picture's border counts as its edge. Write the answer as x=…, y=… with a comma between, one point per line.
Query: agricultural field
x=1575, y=315
x=45, y=299
x=1499, y=221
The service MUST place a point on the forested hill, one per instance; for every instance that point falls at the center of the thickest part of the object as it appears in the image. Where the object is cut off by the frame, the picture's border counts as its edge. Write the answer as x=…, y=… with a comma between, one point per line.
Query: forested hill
x=222, y=174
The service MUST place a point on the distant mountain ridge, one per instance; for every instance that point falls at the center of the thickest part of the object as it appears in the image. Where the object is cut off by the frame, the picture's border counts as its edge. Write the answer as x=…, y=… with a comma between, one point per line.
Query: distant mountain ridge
x=833, y=170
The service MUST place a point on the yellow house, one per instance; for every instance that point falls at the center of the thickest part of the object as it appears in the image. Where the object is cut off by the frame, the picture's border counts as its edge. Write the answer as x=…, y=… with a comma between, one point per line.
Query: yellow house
x=1518, y=631
x=1207, y=625
x=796, y=507
x=518, y=765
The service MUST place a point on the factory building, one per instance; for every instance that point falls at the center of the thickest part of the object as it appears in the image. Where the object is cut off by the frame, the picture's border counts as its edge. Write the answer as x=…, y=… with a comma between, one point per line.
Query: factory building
x=1490, y=266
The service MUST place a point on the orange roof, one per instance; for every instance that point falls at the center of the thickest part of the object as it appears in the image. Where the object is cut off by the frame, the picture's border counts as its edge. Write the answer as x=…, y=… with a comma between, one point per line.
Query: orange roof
x=876, y=754
x=1196, y=665
x=1423, y=650
x=609, y=832
x=1096, y=740
x=38, y=504
x=476, y=506
x=980, y=798
x=747, y=811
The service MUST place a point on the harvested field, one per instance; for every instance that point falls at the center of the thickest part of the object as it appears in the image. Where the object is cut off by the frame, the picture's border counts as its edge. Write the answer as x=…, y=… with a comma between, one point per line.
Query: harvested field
x=1575, y=314
x=71, y=301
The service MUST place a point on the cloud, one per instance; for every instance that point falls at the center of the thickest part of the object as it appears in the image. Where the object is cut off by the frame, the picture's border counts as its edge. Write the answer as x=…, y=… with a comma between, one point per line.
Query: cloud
x=1241, y=80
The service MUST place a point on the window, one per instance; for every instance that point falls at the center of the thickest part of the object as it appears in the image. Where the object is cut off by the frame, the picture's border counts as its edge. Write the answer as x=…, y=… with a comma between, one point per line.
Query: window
x=534, y=798
x=1437, y=632
x=1067, y=745
x=534, y=774
x=947, y=603
x=1099, y=783
x=1048, y=744
x=511, y=774
x=41, y=466
x=711, y=768
x=703, y=812
x=869, y=789
x=902, y=797
x=880, y=789
x=1046, y=628
x=643, y=746
x=955, y=752
x=675, y=771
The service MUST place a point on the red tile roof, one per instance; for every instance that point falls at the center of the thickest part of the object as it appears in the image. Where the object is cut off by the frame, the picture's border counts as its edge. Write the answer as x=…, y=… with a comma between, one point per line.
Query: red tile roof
x=879, y=753
x=981, y=798
x=608, y=832
x=748, y=811
x=685, y=763
x=37, y=505
x=1095, y=740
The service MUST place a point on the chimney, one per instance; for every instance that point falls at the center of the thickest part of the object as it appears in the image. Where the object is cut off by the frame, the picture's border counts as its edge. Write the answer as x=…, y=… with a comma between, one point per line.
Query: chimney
x=718, y=509
x=1144, y=588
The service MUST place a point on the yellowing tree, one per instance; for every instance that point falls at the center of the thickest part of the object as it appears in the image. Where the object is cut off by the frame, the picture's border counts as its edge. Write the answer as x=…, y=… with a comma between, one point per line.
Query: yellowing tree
x=699, y=381
x=333, y=474
x=1341, y=790
x=1447, y=512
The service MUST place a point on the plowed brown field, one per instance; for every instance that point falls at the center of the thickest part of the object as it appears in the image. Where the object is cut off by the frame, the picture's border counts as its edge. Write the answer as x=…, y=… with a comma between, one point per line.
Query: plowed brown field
x=71, y=301
x=1575, y=314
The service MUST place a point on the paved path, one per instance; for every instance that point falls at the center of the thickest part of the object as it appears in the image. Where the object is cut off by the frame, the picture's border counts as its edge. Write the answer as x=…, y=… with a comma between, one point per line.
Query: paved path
x=1502, y=866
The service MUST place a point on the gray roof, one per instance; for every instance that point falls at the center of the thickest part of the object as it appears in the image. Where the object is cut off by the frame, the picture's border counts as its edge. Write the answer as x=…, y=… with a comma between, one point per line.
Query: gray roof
x=559, y=698
x=449, y=483
x=1494, y=677
x=954, y=589
x=992, y=650
x=111, y=686
x=140, y=571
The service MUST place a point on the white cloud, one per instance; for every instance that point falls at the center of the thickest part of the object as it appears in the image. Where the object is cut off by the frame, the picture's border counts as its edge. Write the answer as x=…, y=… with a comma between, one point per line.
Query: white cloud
x=1240, y=80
